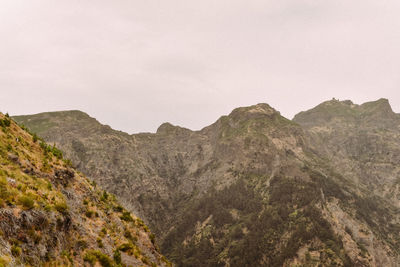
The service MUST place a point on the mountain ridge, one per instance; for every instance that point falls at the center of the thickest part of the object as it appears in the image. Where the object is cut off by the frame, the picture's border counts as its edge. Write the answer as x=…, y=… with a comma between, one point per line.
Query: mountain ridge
x=252, y=166
x=52, y=215
x=346, y=110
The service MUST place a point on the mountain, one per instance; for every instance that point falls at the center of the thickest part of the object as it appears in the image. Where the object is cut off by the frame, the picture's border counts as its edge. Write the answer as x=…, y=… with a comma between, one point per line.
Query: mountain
x=252, y=189
x=361, y=141
x=52, y=215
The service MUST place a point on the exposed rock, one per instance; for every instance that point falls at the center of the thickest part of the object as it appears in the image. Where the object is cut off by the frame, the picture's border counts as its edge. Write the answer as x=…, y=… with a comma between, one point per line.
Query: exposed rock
x=253, y=189
x=51, y=215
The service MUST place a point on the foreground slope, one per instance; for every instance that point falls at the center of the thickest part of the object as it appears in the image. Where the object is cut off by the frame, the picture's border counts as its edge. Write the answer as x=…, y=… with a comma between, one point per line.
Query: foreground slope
x=248, y=190
x=52, y=215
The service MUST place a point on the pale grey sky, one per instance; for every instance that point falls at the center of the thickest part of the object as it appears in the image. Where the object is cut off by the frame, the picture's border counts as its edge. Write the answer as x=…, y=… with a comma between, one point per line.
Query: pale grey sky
x=136, y=64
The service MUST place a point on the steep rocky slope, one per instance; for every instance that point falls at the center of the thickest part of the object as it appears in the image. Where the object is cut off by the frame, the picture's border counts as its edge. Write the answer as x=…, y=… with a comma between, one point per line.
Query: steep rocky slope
x=52, y=215
x=361, y=141
x=249, y=190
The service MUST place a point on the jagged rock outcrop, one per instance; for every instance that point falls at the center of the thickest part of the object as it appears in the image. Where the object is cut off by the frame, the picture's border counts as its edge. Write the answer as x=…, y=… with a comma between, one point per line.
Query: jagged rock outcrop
x=252, y=189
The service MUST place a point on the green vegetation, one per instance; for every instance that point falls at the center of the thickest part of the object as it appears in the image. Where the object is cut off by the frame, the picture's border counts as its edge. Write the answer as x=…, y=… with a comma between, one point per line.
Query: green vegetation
x=89, y=213
x=93, y=256
x=126, y=247
x=118, y=208
x=6, y=122
x=152, y=238
x=99, y=242
x=117, y=257
x=35, y=138
x=126, y=216
x=35, y=183
x=257, y=227
x=81, y=244
x=16, y=250
x=103, y=232
x=3, y=262
x=5, y=195
x=26, y=201
x=51, y=149
x=104, y=196
x=61, y=207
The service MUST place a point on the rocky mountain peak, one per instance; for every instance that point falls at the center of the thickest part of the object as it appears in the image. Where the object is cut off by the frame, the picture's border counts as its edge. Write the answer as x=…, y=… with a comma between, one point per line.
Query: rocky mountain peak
x=255, y=111
x=260, y=113
x=374, y=113
x=168, y=128
x=381, y=106
x=251, y=120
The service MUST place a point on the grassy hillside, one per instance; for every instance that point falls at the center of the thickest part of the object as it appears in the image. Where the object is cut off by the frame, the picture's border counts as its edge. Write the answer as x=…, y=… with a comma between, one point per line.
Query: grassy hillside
x=52, y=215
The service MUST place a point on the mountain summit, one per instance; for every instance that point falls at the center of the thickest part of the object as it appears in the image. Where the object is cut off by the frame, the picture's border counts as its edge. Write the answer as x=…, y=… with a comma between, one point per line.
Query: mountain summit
x=374, y=113
x=361, y=141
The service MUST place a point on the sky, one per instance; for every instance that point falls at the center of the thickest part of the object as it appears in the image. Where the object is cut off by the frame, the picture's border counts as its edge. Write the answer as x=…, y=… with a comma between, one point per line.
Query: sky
x=136, y=64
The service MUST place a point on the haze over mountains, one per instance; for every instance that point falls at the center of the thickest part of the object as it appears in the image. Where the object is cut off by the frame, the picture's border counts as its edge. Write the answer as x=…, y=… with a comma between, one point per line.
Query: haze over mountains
x=253, y=188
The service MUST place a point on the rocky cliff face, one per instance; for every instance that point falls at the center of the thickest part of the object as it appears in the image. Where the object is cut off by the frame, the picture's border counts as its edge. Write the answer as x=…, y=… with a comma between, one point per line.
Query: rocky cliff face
x=52, y=215
x=361, y=141
x=251, y=189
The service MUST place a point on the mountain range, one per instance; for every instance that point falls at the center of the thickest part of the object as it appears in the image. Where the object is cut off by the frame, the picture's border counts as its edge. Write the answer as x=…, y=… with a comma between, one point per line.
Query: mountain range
x=253, y=188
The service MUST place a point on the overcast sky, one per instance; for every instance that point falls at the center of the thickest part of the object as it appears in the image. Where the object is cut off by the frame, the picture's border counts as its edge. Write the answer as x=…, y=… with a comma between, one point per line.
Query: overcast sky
x=136, y=64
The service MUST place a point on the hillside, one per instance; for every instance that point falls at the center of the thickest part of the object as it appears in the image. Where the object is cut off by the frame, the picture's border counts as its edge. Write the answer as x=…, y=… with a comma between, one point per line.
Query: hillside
x=251, y=189
x=52, y=215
